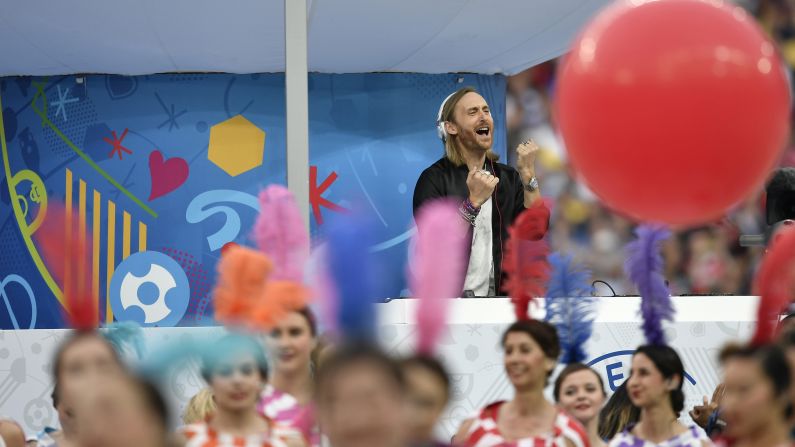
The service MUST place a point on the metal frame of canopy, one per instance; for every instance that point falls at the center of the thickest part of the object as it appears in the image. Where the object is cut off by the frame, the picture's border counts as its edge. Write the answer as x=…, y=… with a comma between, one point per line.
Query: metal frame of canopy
x=297, y=103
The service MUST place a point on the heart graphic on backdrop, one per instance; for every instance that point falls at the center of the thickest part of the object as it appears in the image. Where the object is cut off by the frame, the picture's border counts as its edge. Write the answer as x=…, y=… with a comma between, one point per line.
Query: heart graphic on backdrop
x=166, y=175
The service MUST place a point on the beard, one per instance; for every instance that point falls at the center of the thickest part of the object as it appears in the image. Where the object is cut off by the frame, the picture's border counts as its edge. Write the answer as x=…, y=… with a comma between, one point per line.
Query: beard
x=473, y=142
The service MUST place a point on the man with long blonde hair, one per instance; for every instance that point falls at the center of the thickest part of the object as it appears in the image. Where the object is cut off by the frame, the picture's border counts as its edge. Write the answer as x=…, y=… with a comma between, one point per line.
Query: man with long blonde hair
x=491, y=194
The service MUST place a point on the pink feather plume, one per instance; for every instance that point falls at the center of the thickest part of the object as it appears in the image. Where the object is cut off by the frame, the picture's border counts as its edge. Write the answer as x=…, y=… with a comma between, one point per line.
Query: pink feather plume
x=439, y=267
x=281, y=234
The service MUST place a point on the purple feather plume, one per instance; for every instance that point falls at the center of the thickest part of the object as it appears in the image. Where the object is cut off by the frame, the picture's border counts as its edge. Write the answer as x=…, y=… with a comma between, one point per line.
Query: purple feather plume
x=644, y=267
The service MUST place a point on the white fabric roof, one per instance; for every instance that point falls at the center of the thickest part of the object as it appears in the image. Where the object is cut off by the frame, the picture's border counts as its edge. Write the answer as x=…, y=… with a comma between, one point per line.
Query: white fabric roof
x=44, y=37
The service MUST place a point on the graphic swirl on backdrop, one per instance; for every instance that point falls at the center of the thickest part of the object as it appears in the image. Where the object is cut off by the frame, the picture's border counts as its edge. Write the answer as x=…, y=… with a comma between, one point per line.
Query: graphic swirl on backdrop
x=200, y=208
x=16, y=279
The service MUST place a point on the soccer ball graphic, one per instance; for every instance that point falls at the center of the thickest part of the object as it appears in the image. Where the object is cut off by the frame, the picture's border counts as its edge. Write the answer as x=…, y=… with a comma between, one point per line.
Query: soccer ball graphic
x=150, y=289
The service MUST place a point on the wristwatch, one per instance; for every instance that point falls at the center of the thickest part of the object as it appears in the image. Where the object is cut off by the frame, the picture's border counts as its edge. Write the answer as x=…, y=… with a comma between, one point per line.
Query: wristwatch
x=532, y=185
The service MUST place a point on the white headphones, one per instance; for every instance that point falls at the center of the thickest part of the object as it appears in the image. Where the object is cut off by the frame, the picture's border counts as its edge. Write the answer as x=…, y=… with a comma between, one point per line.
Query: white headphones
x=440, y=130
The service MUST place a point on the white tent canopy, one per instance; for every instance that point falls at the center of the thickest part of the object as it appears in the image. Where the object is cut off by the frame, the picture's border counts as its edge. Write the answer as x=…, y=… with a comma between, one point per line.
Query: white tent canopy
x=44, y=37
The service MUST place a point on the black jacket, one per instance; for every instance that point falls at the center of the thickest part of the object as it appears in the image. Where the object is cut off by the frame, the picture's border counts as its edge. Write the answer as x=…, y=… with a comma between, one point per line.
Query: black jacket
x=443, y=179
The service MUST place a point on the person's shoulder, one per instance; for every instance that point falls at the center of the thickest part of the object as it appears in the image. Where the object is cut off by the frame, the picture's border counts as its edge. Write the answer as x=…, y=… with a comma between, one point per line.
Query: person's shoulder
x=491, y=410
x=565, y=419
x=285, y=436
x=623, y=437
x=571, y=429
x=270, y=395
x=192, y=430
x=697, y=434
x=434, y=174
x=12, y=432
x=441, y=164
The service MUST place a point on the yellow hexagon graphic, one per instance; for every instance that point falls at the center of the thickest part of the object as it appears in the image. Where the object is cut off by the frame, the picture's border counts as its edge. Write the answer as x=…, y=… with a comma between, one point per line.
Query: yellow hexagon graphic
x=236, y=145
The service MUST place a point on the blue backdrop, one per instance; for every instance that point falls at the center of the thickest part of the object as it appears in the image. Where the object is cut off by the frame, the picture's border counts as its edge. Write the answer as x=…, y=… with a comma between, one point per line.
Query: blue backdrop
x=170, y=165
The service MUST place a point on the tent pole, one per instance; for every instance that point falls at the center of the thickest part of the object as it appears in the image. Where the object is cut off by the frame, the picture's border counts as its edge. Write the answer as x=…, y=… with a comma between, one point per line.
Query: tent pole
x=297, y=102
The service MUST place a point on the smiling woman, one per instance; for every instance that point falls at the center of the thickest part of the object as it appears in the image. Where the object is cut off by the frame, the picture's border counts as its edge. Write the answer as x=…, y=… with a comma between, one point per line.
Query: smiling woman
x=286, y=398
x=579, y=391
x=236, y=370
x=531, y=349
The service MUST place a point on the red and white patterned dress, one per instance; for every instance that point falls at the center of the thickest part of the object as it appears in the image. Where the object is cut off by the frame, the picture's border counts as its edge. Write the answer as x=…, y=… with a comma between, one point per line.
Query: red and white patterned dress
x=485, y=433
x=202, y=435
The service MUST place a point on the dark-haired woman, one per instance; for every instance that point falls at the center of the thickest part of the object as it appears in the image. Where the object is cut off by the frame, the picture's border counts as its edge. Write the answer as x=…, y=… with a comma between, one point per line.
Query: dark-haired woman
x=580, y=392
x=655, y=386
x=287, y=397
x=756, y=403
x=531, y=349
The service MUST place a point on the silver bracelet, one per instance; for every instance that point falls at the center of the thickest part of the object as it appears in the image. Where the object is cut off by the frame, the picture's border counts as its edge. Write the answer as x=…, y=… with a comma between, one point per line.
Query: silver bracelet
x=466, y=215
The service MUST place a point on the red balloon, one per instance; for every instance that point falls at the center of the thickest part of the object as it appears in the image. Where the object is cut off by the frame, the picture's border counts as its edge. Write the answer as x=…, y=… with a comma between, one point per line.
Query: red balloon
x=673, y=111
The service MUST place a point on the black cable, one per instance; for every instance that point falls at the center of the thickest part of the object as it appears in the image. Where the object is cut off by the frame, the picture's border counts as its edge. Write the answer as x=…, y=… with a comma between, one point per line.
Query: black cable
x=593, y=285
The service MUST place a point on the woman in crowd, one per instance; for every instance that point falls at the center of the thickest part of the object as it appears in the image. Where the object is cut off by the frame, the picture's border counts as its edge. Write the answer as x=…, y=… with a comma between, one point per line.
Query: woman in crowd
x=756, y=404
x=655, y=386
x=287, y=396
x=428, y=392
x=236, y=370
x=580, y=392
x=81, y=358
x=531, y=349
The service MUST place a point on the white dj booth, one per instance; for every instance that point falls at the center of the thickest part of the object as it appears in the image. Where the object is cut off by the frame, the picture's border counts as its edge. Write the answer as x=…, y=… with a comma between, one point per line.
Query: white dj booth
x=469, y=347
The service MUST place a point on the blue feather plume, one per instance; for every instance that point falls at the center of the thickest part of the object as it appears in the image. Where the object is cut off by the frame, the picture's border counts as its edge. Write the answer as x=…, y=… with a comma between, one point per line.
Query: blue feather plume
x=570, y=306
x=644, y=267
x=187, y=350
x=165, y=358
x=124, y=335
x=352, y=274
